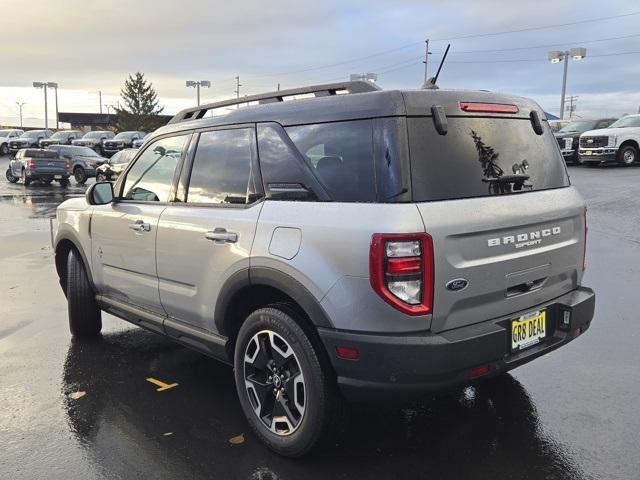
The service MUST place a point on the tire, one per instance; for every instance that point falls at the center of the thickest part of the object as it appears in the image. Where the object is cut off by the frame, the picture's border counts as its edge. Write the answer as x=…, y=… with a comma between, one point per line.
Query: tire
x=64, y=182
x=80, y=175
x=25, y=180
x=85, y=320
x=627, y=155
x=10, y=176
x=101, y=177
x=303, y=375
x=4, y=149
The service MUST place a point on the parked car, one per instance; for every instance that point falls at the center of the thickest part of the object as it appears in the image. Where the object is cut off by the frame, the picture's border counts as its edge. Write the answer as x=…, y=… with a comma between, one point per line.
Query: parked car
x=94, y=140
x=370, y=246
x=63, y=137
x=556, y=125
x=84, y=160
x=137, y=143
x=5, y=137
x=114, y=166
x=29, y=139
x=619, y=143
x=121, y=141
x=568, y=136
x=31, y=164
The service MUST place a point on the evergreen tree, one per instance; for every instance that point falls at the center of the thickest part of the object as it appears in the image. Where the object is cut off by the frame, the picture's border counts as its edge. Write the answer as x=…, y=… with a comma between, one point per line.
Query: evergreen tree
x=140, y=110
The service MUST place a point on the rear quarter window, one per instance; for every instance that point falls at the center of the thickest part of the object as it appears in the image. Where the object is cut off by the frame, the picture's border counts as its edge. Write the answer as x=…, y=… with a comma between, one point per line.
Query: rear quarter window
x=481, y=157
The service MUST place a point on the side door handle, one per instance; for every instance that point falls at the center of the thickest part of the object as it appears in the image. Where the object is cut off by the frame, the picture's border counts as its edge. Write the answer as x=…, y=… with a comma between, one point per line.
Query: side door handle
x=220, y=235
x=140, y=226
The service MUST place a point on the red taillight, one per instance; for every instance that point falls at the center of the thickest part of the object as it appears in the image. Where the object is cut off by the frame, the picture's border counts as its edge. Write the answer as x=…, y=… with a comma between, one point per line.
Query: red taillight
x=479, y=371
x=480, y=107
x=67, y=166
x=401, y=270
x=586, y=230
x=31, y=164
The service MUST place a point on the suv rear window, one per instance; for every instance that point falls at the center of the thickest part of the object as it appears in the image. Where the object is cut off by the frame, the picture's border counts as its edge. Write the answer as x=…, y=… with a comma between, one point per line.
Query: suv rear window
x=41, y=154
x=479, y=157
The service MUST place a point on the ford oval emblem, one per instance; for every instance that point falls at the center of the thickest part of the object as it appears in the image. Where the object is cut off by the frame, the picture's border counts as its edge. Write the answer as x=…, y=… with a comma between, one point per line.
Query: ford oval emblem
x=457, y=284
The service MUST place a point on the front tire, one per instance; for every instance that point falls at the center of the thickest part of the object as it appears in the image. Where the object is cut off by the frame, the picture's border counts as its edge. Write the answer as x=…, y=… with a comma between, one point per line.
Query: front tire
x=285, y=387
x=627, y=155
x=80, y=175
x=85, y=318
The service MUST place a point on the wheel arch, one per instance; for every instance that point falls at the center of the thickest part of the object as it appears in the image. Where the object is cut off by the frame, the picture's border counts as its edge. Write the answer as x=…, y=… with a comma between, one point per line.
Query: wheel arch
x=632, y=142
x=64, y=244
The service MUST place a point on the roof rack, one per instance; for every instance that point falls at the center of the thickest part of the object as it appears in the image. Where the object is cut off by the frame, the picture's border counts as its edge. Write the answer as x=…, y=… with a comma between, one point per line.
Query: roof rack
x=325, y=90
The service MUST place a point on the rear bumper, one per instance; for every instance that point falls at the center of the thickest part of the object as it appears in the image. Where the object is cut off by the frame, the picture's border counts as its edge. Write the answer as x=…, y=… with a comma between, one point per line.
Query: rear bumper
x=46, y=174
x=401, y=368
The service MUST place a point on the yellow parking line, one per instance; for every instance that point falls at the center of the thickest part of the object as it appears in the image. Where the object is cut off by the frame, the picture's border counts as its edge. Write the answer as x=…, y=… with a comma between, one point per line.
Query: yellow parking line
x=161, y=384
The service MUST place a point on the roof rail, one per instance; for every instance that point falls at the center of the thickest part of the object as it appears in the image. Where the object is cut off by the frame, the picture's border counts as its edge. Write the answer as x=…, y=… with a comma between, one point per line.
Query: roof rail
x=327, y=89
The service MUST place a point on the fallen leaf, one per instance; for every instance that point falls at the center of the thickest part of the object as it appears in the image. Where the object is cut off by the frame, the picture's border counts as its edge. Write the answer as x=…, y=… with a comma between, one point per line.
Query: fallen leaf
x=237, y=440
x=77, y=395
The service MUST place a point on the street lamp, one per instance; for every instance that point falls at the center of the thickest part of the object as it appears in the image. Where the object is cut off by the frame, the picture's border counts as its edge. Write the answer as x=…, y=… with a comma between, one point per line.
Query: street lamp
x=559, y=56
x=367, y=77
x=44, y=86
x=197, y=85
x=20, y=104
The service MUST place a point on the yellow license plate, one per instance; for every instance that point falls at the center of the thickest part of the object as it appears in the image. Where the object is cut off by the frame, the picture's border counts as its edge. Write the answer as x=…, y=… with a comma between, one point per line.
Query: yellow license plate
x=588, y=152
x=528, y=330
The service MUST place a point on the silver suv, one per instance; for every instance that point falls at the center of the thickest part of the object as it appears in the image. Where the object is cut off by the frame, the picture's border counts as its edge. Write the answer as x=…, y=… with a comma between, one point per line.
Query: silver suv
x=360, y=244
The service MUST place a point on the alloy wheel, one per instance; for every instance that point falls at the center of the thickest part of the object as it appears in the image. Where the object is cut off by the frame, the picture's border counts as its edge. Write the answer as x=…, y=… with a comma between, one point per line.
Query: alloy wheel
x=274, y=382
x=628, y=156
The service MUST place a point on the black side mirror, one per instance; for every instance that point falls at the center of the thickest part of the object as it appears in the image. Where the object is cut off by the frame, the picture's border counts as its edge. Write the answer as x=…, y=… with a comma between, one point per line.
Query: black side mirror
x=100, y=193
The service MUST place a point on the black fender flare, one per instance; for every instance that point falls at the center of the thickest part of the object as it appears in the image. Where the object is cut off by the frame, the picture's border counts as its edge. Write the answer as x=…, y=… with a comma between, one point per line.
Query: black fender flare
x=270, y=277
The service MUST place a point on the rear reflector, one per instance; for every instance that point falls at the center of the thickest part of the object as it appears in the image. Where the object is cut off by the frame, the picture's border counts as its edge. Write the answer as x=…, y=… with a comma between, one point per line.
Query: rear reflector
x=479, y=107
x=348, y=353
x=479, y=371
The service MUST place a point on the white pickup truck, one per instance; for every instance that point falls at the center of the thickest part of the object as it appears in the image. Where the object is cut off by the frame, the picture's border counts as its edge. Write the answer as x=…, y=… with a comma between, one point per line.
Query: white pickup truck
x=619, y=143
x=5, y=137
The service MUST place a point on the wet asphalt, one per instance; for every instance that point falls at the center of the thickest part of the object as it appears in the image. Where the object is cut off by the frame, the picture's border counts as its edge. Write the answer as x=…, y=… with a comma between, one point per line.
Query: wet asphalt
x=572, y=414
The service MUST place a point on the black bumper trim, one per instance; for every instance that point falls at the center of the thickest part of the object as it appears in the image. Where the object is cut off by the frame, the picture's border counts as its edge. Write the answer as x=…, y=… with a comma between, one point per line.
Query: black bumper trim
x=403, y=367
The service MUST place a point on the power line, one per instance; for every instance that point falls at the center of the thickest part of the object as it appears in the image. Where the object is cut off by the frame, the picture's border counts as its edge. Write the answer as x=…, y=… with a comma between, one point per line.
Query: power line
x=530, y=29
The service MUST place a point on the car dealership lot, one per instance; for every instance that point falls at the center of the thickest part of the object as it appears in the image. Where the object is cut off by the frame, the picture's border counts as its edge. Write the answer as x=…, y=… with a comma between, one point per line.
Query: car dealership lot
x=88, y=410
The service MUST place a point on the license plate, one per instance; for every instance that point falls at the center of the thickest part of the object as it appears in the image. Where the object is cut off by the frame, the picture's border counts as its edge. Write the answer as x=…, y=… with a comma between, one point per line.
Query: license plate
x=528, y=330
x=568, y=143
x=57, y=177
x=588, y=152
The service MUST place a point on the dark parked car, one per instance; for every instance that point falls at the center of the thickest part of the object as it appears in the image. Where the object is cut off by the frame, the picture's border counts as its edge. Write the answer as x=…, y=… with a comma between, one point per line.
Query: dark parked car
x=30, y=139
x=32, y=164
x=113, y=167
x=84, y=161
x=121, y=141
x=94, y=140
x=63, y=137
x=569, y=135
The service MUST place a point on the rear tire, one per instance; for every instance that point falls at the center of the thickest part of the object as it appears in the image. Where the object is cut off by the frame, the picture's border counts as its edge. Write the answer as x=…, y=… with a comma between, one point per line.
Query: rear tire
x=10, y=176
x=64, y=183
x=4, y=149
x=26, y=181
x=627, y=155
x=80, y=175
x=85, y=320
x=307, y=409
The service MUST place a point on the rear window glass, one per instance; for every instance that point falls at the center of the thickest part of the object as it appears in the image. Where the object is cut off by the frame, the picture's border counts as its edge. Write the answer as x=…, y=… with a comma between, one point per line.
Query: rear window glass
x=479, y=157
x=41, y=154
x=341, y=156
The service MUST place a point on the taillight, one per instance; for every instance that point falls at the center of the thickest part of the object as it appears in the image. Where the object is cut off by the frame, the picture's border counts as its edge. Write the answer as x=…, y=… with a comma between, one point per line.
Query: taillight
x=401, y=270
x=31, y=164
x=481, y=107
x=584, y=252
x=67, y=166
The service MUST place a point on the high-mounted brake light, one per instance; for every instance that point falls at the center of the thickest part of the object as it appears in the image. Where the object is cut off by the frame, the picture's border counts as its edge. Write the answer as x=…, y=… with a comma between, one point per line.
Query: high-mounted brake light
x=480, y=107
x=401, y=271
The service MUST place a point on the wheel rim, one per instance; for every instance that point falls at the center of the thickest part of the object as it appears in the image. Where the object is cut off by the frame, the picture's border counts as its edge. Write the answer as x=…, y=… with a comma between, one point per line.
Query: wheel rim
x=628, y=156
x=274, y=383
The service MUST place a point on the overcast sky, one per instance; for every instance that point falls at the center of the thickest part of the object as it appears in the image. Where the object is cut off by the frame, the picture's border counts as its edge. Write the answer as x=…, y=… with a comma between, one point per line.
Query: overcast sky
x=88, y=46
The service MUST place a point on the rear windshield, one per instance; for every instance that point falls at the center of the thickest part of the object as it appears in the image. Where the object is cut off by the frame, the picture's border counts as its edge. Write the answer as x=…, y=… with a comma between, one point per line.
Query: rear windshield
x=41, y=154
x=480, y=157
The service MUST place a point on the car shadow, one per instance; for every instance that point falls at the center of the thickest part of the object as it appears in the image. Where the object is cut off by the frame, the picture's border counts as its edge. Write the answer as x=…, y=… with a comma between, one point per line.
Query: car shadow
x=197, y=429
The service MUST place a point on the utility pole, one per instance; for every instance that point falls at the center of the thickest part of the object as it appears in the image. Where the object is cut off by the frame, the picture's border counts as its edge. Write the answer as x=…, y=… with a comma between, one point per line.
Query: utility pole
x=237, y=90
x=426, y=63
x=573, y=100
x=20, y=104
x=100, y=100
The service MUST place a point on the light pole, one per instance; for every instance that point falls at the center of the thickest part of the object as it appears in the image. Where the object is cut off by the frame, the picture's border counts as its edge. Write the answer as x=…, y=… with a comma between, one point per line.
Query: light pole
x=197, y=85
x=44, y=86
x=108, y=107
x=54, y=85
x=20, y=104
x=558, y=56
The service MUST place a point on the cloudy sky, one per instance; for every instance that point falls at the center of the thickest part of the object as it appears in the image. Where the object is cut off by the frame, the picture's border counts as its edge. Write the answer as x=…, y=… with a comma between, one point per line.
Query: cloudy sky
x=89, y=46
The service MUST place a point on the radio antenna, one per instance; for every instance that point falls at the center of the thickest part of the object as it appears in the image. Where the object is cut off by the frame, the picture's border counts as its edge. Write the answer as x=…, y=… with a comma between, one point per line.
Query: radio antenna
x=431, y=84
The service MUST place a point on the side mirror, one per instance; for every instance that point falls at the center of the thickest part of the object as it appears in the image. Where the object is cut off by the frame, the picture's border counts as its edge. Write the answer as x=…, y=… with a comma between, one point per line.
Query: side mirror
x=100, y=193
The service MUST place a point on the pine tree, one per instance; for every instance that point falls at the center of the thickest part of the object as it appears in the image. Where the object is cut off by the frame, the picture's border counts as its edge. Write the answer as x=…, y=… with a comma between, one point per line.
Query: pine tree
x=140, y=110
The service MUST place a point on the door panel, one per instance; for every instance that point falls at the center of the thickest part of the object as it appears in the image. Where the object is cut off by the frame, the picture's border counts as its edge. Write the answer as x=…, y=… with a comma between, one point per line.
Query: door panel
x=123, y=250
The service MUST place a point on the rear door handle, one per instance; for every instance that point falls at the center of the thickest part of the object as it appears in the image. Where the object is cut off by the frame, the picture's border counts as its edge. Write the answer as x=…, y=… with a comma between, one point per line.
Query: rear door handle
x=140, y=226
x=220, y=235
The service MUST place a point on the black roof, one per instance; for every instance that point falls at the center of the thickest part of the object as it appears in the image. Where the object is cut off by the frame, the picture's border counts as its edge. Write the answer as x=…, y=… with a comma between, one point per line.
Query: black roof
x=351, y=106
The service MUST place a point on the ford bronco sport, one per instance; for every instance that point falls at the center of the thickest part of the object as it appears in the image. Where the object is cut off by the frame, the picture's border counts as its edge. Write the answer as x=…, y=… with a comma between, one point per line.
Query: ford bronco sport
x=361, y=244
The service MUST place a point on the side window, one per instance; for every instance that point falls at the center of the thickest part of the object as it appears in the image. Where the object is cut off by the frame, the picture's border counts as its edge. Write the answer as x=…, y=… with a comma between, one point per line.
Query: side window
x=151, y=176
x=221, y=170
x=341, y=155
